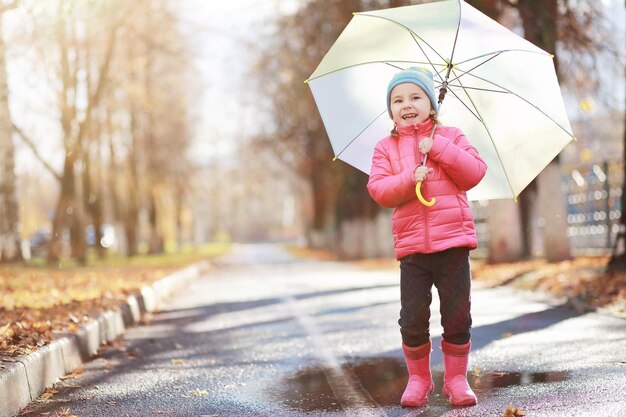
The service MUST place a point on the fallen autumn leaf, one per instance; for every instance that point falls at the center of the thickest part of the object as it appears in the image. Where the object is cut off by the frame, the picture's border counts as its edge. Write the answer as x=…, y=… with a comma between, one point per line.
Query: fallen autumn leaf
x=512, y=411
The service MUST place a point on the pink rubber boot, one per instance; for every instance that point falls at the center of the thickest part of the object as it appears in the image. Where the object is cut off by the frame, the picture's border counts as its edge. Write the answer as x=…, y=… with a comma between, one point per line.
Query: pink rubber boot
x=455, y=383
x=420, y=381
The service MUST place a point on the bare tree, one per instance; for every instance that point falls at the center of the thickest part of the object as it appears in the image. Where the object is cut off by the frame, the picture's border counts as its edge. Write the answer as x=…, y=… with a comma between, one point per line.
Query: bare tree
x=122, y=97
x=158, y=102
x=10, y=249
x=298, y=138
x=76, y=119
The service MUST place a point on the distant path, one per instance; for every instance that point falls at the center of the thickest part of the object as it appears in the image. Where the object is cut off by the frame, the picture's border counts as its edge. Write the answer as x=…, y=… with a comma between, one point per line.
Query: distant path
x=266, y=334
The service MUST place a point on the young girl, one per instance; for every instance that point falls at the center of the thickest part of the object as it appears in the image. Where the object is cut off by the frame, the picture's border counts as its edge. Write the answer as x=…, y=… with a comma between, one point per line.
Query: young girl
x=432, y=243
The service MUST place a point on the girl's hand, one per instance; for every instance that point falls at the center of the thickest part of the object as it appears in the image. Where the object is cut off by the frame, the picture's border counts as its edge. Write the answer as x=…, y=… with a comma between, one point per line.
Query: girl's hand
x=421, y=172
x=425, y=145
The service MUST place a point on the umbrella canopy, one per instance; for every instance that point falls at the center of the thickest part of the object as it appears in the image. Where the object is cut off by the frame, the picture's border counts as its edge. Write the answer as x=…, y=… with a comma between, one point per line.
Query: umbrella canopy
x=502, y=90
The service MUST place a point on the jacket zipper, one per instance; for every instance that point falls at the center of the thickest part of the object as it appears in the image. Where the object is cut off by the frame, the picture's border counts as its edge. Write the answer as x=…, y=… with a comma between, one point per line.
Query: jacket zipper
x=424, y=208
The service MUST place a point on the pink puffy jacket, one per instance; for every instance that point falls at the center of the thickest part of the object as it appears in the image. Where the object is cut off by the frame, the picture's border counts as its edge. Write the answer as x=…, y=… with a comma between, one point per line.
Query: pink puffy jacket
x=457, y=168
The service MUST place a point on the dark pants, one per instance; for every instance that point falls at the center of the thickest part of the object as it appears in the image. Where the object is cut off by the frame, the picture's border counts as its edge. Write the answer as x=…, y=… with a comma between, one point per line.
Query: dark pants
x=449, y=271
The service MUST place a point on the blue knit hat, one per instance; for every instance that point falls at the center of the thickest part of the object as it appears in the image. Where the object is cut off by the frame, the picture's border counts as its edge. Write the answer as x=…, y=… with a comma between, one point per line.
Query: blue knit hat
x=416, y=75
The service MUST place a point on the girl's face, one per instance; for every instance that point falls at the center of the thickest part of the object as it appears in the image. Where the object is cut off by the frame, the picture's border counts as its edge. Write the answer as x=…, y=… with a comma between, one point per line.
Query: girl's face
x=409, y=104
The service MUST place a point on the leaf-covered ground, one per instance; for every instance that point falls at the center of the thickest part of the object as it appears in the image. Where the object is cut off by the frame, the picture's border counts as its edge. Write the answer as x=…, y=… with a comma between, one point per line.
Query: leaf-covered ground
x=38, y=302
x=583, y=281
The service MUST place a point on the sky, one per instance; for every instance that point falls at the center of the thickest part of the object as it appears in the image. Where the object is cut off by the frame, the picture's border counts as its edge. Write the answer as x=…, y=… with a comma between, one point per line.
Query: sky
x=225, y=34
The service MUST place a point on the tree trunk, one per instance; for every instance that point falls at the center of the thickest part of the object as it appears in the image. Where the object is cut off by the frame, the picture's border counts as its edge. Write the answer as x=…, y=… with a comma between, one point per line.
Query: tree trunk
x=10, y=248
x=130, y=207
x=552, y=204
x=131, y=231
x=155, y=243
x=356, y=212
x=64, y=210
x=506, y=243
x=130, y=211
x=539, y=18
x=77, y=230
x=527, y=205
x=323, y=228
x=180, y=221
x=92, y=202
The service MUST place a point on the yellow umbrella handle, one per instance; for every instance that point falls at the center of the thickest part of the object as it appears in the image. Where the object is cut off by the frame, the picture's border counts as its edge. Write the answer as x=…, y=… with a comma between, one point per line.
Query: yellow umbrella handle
x=420, y=197
x=418, y=185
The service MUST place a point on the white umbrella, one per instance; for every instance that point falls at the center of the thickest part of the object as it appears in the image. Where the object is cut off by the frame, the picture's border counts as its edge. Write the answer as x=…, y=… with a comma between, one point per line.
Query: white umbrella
x=502, y=90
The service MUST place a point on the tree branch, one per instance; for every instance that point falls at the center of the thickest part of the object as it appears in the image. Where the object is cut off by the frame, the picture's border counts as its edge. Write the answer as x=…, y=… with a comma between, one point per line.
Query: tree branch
x=33, y=148
x=102, y=78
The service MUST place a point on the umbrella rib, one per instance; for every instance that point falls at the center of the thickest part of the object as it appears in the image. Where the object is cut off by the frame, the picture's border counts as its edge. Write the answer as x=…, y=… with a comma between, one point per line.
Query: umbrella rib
x=415, y=35
x=475, y=114
x=480, y=64
x=432, y=65
x=456, y=37
x=521, y=98
x=392, y=65
x=359, y=134
x=366, y=63
x=506, y=175
x=477, y=88
x=496, y=53
x=490, y=55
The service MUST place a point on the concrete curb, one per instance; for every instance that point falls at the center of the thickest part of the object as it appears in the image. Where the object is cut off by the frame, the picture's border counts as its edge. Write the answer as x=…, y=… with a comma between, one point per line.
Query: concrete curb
x=24, y=378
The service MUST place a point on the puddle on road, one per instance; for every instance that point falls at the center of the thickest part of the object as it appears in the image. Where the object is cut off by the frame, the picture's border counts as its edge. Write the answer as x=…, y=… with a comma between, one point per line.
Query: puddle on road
x=383, y=381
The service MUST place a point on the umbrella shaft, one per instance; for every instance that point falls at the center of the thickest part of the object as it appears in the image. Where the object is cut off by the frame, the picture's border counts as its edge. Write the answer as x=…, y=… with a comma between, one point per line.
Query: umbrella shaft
x=442, y=91
x=444, y=87
x=432, y=135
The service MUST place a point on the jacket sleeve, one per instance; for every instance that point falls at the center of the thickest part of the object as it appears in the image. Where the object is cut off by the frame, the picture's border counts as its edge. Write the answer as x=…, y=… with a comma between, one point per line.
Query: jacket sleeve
x=387, y=189
x=459, y=159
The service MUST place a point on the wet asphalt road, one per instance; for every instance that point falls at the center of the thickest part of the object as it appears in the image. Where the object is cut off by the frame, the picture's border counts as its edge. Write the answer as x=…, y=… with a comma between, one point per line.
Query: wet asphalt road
x=268, y=335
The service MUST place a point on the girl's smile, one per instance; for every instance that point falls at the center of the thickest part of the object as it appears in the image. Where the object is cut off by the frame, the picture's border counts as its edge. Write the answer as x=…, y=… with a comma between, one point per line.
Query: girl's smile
x=409, y=104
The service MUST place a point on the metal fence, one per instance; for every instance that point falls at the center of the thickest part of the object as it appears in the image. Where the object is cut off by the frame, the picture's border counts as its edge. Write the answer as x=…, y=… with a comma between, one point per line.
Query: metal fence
x=593, y=200
x=593, y=205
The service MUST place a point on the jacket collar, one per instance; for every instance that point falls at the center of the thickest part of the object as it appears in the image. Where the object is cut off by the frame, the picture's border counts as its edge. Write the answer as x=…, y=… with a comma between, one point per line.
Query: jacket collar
x=418, y=128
